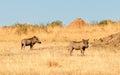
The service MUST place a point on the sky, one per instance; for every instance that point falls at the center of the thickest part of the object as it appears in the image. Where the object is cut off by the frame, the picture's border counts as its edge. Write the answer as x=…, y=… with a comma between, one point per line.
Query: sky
x=46, y=11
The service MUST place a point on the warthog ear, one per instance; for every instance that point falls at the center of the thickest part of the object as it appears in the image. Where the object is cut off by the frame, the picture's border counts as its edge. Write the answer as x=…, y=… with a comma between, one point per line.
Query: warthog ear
x=83, y=40
x=87, y=39
x=34, y=36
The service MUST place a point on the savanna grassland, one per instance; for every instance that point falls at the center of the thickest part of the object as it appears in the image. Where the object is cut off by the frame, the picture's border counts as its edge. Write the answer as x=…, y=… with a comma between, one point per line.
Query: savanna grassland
x=52, y=57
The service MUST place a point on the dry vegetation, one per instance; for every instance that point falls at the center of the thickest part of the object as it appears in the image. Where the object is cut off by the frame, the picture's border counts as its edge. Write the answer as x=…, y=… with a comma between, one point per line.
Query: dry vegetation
x=52, y=56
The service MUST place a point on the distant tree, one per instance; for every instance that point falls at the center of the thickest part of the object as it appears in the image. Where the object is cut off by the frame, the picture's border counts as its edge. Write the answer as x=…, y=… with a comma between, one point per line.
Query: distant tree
x=55, y=23
x=105, y=22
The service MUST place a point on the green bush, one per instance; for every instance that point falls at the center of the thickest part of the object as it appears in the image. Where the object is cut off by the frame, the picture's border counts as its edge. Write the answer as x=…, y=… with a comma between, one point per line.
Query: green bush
x=55, y=24
x=105, y=22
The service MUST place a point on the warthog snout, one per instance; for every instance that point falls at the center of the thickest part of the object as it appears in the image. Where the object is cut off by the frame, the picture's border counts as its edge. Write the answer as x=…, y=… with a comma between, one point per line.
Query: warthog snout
x=30, y=42
x=39, y=42
x=82, y=45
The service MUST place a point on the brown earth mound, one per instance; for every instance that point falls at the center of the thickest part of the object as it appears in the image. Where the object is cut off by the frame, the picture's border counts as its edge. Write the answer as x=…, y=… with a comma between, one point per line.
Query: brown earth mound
x=77, y=23
x=109, y=41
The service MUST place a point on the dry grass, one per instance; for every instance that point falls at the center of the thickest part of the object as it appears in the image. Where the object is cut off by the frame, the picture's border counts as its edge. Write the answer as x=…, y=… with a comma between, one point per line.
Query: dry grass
x=52, y=56
x=54, y=59
x=62, y=33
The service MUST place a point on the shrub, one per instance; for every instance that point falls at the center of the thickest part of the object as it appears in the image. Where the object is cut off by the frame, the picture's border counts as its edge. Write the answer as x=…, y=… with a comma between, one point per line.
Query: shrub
x=105, y=22
x=55, y=24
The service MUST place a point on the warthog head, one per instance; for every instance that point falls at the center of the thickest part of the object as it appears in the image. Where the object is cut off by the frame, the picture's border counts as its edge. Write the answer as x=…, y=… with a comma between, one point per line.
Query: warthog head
x=85, y=42
x=36, y=40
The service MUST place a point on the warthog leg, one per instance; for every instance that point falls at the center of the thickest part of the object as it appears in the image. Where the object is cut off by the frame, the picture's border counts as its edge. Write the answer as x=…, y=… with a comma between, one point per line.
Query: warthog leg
x=31, y=46
x=22, y=46
x=71, y=50
x=82, y=51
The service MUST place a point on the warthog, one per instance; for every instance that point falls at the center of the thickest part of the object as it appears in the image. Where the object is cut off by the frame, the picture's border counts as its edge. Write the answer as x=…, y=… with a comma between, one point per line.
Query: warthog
x=82, y=45
x=29, y=42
